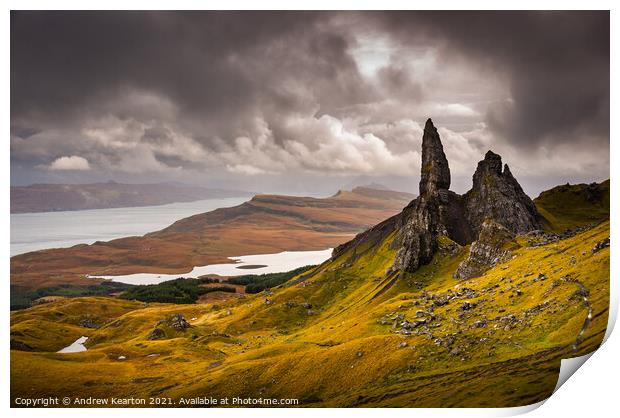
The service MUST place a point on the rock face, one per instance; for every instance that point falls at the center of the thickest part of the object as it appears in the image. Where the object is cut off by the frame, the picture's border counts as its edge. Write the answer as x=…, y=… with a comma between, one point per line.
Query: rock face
x=497, y=195
x=495, y=204
x=493, y=246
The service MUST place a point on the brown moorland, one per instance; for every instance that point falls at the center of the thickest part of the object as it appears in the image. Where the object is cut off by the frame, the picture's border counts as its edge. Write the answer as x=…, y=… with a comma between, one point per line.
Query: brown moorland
x=264, y=224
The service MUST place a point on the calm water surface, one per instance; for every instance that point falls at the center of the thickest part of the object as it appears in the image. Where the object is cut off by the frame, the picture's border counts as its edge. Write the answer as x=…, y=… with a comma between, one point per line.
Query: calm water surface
x=267, y=263
x=37, y=231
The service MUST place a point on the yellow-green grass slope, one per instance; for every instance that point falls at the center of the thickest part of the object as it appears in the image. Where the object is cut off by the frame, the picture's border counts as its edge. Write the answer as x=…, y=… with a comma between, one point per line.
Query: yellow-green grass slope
x=497, y=344
x=328, y=338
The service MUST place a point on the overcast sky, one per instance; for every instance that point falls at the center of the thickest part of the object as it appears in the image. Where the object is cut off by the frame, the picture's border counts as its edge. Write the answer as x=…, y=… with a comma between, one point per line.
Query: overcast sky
x=306, y=102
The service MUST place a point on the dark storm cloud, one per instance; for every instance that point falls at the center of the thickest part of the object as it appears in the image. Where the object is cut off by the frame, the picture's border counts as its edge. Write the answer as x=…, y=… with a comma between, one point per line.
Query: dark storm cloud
x=262, y=93
x=209, y=63
x=557, y=64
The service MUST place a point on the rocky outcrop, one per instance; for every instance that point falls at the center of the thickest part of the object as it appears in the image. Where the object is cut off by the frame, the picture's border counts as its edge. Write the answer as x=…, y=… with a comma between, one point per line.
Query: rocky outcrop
x=497, y=195
x=175, y=321
x=417, y=237
x=493, y=246
x=495, y=204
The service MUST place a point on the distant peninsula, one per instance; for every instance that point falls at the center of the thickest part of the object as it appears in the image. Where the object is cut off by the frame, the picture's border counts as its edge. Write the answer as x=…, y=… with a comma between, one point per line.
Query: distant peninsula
x=65, y=197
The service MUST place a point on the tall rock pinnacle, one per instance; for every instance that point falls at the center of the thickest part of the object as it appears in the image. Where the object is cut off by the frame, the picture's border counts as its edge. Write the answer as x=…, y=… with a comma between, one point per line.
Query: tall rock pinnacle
x=495, y=204
x=435, y=170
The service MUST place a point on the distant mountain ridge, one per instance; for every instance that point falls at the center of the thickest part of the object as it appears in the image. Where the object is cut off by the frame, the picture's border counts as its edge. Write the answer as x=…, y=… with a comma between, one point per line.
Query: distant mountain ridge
x=264, y=224
x=69, y=197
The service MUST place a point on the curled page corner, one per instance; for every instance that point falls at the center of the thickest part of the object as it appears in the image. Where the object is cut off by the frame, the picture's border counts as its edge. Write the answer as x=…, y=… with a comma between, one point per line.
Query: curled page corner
x=568, y=367
x=517, y=410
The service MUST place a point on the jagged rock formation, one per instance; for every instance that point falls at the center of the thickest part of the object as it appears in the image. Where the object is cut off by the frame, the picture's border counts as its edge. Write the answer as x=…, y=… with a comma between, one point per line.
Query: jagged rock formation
x=493, y=246
x=495, y=196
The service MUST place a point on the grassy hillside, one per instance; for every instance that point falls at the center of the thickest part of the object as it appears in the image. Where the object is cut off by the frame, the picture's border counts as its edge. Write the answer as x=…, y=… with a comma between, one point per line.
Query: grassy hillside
x=570, y=206
x=344, y=335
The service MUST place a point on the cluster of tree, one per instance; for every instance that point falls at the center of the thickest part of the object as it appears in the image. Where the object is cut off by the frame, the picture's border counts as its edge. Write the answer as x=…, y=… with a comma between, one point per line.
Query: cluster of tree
x=22, y=298
x=181, y=290
x=255, y=283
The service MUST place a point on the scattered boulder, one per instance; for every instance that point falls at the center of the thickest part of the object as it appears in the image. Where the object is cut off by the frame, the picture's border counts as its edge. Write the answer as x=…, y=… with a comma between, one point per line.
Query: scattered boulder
x=456, y=351
x=88, y=321
x=177, y=321
x=157, y=334
x=600, y=245
x=466, y=306
x=480, y=323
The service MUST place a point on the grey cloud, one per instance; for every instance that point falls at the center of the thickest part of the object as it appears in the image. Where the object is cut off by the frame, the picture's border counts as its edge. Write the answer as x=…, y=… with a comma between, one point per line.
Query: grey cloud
x=256, y=93
x=557, y=65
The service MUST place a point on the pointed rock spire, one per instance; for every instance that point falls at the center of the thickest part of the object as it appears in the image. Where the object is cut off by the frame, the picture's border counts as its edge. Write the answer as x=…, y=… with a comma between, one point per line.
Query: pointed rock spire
x=435, y=173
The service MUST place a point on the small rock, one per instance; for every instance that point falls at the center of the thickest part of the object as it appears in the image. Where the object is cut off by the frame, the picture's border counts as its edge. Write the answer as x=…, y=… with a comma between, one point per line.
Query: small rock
x=157, y=334
x=88, y=322
x=466, y=306
x=456, y=351
x=480, y=324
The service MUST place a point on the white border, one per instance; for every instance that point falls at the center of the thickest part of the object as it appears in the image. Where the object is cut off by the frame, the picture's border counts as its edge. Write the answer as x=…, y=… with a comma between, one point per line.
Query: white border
x=591, y=392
